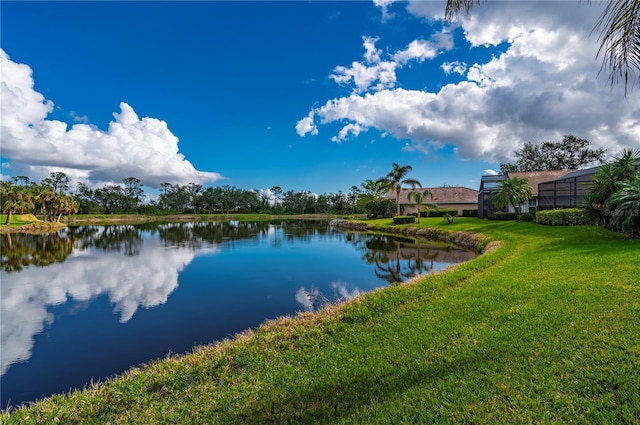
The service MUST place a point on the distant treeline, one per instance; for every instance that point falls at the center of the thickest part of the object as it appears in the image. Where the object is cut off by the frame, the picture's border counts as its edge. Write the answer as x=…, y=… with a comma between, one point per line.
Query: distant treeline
x=53, y=197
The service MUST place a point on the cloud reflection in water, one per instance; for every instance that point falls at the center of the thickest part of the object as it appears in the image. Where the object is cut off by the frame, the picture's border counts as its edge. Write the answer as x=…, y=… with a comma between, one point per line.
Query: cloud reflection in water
x=130, y=282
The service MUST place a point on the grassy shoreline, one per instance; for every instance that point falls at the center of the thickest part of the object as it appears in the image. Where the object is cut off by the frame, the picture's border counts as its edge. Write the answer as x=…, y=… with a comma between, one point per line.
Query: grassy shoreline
x=543, y=329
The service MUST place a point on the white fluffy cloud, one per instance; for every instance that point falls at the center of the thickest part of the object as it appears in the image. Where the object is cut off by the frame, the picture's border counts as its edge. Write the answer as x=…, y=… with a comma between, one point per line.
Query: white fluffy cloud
x=542, y=86
x=373, y=71
x=384, y=7
x=456, y=66
x=140, y=147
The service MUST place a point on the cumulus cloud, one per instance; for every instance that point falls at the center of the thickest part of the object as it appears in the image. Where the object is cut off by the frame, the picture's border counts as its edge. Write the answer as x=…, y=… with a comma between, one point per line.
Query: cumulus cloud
x=374, y=70
x=490, y=172
x=130, y=282
x=131, y=146
x=421, y=50
x=377, y=74
x=349, y=129
x=541, y=85
x=384, y=8
x=455, y=66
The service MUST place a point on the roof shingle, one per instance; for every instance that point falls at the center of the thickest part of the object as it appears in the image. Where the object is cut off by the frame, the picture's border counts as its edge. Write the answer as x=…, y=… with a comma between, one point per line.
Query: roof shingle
x=455, y=194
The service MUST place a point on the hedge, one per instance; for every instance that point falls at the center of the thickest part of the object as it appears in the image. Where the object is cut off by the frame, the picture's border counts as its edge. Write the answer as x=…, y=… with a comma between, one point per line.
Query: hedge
x=527, y=217
x=503, y=216
x=440, y=212
x=404, y=219
x=562, y=217
x=469, y=213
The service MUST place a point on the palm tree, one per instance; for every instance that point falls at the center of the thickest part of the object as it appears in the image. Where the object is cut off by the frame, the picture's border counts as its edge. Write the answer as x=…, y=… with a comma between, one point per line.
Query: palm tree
x=373, y=188
x=395, y=179
x=66, y=204
x=14, y=198
x=619, y=36
x=626, y=203
x=419, y=197
x=43, y=194
x=606, y=183
x=514, y=191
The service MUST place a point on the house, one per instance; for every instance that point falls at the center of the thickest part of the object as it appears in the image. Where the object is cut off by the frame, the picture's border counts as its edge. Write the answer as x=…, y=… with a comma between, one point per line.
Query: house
x=551, y=189
x=454, y=197
x=489, y=187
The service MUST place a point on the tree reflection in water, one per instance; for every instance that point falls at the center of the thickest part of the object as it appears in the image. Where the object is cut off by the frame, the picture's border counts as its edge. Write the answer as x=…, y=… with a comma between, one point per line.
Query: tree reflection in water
x=20, y=250
x=396, y=259
x=123, y=238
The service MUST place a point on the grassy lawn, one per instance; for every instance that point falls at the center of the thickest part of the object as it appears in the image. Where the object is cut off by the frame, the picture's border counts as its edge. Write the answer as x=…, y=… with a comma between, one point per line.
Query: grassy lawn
x=19, y=219
x=544, y=329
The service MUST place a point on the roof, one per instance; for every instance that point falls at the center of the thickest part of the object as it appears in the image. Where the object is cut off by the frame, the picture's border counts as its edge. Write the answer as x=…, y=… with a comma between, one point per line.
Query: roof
x=580, y=173
x=587, y=171
x=536, y=177
x=448, y=195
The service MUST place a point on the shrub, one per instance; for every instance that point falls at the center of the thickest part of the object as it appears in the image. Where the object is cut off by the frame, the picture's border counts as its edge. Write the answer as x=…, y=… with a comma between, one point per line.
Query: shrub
x=404, y=219
x=526, y=217
x=562, y=217
x=447, y=218
x=469, y=213
x=503, y=216
x=440, y=212
x=380, y=208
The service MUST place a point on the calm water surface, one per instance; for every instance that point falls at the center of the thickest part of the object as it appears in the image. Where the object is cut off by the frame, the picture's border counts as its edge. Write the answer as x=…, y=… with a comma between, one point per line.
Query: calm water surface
x=93, y=301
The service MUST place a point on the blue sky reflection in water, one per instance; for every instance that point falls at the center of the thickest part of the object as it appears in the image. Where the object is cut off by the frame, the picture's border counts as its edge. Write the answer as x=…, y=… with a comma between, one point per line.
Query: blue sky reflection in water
x=92, y=302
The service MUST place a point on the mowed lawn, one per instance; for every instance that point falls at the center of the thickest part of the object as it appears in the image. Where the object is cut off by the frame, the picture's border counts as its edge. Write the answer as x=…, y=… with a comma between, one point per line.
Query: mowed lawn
x=544, y=329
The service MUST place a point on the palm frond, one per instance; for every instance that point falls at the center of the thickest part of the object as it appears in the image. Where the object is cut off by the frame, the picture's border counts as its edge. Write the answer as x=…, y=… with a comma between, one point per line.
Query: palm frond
x=620, y=41
x=455, y=7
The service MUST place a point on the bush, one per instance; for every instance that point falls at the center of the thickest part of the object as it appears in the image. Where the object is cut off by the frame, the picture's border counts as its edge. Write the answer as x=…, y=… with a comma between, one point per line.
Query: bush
x=469, y=213
x=448, y=218
x=562, y=217
x=440, y=212
x=404, y=219
x=527, y=217
x=380, y=208
x=503, y=216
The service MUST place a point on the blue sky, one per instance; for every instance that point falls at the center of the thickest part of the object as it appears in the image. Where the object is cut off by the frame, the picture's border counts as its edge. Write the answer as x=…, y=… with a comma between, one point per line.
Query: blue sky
x=312, y=96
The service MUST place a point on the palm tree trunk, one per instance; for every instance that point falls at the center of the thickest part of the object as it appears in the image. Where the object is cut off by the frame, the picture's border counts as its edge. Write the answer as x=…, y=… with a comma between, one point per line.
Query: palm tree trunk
x=398, y=199
x=8, y=217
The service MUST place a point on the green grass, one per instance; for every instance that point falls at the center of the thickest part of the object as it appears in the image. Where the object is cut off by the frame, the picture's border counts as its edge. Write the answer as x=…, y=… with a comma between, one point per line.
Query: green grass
x=19, y=219
x=544, y=329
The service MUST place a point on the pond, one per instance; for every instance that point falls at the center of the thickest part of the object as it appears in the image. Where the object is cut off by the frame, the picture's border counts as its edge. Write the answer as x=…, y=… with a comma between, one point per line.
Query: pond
x=90, y=302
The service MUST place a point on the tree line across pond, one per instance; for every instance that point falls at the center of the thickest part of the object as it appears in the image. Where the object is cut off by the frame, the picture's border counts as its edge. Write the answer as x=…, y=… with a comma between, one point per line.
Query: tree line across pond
x=53, y=197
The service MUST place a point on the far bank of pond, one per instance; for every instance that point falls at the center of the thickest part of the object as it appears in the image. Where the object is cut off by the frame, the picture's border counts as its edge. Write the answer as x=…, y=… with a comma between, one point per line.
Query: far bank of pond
x=28, y=223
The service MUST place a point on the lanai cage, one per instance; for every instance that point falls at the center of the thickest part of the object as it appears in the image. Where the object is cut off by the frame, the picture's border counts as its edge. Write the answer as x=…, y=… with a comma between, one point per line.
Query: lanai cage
x=567, y=191
x=488, y=188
